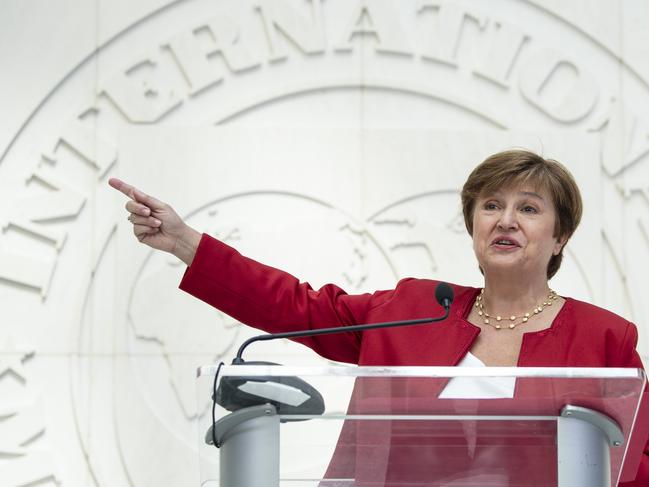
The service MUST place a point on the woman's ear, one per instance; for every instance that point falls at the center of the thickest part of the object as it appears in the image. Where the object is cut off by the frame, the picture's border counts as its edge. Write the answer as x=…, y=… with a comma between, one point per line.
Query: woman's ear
x=558, y=246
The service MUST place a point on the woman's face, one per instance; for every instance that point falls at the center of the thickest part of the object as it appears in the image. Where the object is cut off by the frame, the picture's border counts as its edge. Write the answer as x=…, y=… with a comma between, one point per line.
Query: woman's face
x=513, y=231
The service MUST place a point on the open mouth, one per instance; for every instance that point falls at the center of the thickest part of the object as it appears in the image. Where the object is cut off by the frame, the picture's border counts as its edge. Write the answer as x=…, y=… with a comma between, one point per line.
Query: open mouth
x=505, y=243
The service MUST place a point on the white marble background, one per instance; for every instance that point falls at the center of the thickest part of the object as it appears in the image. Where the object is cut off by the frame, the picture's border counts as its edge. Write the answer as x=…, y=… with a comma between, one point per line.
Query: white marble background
x=326, y=137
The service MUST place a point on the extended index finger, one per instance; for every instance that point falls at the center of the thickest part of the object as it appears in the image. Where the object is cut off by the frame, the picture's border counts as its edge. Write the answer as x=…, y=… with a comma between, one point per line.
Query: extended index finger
x=135, y=194
x=122, y=187
x=145, y=199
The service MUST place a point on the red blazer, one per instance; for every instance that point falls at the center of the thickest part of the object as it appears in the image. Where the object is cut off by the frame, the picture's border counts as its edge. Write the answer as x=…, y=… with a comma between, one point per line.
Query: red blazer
x=582, y=335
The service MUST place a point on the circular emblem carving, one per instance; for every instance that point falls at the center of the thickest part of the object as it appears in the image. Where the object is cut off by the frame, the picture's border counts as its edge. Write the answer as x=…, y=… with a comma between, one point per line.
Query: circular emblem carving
x=418, y=93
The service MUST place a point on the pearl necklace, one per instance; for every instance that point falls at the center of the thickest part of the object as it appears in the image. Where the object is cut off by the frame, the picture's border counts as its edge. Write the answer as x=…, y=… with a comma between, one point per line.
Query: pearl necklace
x=499, y=324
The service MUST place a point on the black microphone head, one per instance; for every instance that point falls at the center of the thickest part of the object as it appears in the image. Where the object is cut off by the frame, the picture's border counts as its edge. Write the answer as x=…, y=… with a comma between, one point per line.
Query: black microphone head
x=444, y=294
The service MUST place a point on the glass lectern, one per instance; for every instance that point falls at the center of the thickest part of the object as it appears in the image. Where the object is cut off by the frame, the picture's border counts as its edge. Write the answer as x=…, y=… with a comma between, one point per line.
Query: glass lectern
x=344, y=426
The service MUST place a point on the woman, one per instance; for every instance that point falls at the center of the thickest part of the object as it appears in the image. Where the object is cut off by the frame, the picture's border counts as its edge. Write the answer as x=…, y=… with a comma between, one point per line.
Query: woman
x=520, y=210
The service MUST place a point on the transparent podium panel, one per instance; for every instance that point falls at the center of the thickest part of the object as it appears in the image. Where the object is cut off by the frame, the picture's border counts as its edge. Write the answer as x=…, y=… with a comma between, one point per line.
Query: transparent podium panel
x=388, y=426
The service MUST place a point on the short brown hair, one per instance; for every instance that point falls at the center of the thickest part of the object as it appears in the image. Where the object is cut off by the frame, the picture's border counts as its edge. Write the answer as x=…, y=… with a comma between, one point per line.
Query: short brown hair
x=522, y=167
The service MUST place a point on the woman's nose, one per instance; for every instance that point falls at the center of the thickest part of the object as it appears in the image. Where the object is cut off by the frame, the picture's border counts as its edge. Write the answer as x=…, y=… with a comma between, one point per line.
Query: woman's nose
x=508, y=220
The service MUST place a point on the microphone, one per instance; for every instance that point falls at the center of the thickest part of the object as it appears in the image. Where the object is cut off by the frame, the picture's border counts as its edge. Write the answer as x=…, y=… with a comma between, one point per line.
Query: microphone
x=443, y=295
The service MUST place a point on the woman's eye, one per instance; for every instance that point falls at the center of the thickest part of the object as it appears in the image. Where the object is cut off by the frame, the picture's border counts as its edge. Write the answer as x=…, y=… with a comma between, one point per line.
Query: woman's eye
x=490, y=206
x=529, y=209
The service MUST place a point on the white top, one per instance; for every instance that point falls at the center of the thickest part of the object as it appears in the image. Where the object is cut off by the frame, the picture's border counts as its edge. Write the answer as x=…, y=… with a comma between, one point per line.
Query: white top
x=478, y=387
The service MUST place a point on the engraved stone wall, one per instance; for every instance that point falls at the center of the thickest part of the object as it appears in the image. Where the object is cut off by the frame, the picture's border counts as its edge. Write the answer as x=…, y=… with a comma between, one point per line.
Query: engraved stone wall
x=329, y=138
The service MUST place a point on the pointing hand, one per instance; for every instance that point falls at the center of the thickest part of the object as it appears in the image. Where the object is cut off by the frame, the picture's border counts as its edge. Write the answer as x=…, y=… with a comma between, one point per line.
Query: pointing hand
x=156, y=224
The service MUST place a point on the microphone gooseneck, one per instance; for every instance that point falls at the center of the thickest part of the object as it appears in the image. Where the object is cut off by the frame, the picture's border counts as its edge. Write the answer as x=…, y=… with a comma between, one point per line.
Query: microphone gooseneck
x=443, y=294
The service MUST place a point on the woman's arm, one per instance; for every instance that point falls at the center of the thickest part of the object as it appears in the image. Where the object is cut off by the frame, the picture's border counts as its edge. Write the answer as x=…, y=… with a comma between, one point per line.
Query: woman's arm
x=630, y=358
x=255, y=294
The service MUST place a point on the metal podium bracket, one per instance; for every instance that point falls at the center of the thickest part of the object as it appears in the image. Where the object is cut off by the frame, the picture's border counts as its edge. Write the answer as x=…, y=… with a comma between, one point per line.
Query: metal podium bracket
x=607, y=425
x=224, y=425
x=249, y=440
x=584, y=441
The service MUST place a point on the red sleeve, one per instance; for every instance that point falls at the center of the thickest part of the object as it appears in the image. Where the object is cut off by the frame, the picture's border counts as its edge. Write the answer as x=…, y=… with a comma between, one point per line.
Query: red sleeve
x=631, y=358
x=642, y=477
x=275, y=301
